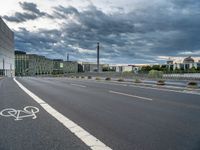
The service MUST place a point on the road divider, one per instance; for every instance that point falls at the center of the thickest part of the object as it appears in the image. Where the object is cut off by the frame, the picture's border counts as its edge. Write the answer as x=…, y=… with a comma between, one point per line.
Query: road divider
x=83, y=135
x=129, y=95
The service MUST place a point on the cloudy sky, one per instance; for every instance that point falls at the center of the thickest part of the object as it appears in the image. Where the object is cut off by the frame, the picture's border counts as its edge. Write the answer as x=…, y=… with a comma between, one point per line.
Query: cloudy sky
x=129, y=31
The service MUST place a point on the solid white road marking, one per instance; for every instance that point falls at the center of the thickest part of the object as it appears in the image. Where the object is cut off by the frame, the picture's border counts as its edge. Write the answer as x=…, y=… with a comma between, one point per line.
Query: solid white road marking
x=83, y=135
x=78, y=85
x=135, y=96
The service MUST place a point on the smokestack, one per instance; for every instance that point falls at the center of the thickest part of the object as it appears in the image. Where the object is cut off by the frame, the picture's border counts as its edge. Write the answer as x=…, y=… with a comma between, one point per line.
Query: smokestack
x=98, y=57
x=67, y=56
x=3, y=67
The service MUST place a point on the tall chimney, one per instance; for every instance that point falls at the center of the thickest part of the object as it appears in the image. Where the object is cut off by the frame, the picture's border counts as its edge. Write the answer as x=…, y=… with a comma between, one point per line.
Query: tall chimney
x=67, y=56
x=3, y=67
x=98, y=57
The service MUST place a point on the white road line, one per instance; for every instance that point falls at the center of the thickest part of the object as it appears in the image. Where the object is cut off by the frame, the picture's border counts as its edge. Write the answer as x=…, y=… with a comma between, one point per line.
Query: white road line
x=83, y=135
x=135, y=96
x=78, y=85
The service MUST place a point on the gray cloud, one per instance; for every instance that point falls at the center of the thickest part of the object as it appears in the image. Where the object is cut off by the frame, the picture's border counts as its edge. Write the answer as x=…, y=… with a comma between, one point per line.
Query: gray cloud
x=63, y=12
x=31, y=13
x=139, y=36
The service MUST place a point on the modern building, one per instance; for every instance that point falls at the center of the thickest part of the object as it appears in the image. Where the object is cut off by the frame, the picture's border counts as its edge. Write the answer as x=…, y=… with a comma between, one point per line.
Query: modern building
x=180, y=63
x=70, y=67
x=121, y=68
x=63, y=67
x=7, y=64
x=91, y=67
x=58, y=66
x=183, y=63
x=31, y=65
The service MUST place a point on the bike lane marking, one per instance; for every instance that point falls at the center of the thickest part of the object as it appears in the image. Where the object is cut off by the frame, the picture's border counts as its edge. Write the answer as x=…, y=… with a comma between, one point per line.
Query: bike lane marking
x=10, y=112
x=83, y=135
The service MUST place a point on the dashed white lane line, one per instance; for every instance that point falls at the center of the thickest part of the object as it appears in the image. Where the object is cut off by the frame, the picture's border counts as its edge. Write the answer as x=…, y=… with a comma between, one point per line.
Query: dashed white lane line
x=135, y=96
x=83, y=135
x=167, y=90
x=78, y=85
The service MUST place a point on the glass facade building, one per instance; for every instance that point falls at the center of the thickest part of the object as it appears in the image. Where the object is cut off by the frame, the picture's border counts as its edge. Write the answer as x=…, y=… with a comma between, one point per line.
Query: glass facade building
x=63, y=67
x=6, y=50
x=31, y=65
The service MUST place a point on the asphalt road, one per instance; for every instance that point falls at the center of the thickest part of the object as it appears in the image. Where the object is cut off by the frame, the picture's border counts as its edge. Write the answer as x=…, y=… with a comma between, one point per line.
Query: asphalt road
x=122, y=116
x=42, y=133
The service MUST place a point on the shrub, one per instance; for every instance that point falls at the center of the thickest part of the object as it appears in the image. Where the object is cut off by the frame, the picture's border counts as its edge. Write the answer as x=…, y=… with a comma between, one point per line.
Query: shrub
x=192, y=84
x=108, y=78
x=72, y=76
x=120, y=80
x=137, y=81
x=77, y=76
x=82, y=77
x=127, y=73
x=155, y=74
x=161, y=82
x=97, y=78
x=89, y=77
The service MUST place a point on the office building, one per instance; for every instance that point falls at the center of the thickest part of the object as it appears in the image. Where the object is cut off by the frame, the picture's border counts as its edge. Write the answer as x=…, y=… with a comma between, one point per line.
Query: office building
x=91, y=67
x=70, y=67
x=6, y=50
x=31, y=65
x=58, y=66
x=63, y=67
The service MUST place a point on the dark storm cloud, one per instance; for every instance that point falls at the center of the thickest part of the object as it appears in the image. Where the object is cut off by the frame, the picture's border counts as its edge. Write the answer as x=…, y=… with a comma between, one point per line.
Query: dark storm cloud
x=20, y=17
x=161, y=29
x=31, y=13
x=61, y=11
x=44, y=42
x=31, y=7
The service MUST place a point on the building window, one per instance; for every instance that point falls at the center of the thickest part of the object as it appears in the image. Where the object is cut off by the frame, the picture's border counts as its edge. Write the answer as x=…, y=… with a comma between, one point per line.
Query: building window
x=187, y=66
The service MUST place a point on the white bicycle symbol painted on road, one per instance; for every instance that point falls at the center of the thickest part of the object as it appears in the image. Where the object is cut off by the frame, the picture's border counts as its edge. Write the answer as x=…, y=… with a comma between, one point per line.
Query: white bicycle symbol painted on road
x=29, y=111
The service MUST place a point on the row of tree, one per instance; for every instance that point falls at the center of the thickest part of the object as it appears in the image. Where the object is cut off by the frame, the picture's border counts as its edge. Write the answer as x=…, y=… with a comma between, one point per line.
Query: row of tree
x=166, y=69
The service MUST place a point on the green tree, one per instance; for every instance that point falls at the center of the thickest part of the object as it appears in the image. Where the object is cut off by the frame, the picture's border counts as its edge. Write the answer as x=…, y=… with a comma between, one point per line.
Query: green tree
x=155, y=74
x=146, y=68
x=156, y=67
x=192, y=70
x=164, y=68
